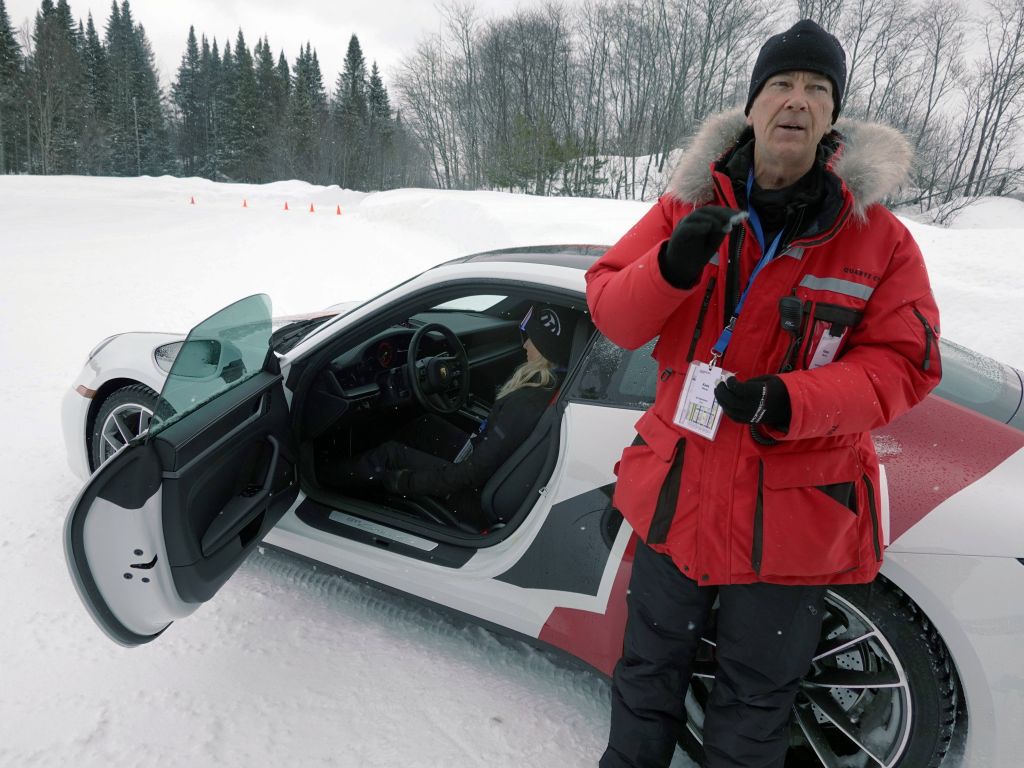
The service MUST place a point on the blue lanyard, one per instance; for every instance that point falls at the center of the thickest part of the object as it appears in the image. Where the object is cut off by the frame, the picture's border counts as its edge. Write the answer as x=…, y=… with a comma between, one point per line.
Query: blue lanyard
x=755, y=224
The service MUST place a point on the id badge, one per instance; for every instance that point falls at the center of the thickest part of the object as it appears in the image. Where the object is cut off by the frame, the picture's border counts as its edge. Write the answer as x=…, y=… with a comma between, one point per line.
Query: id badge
x=698, y=411
x=826, y=350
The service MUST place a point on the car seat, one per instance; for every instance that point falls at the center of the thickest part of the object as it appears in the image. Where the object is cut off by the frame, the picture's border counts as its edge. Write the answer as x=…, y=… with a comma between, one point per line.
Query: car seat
x=514, y=487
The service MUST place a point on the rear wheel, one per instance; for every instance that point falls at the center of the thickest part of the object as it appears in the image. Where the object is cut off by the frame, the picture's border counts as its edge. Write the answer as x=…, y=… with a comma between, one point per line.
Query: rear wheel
x=881, y=691
x=124, y=415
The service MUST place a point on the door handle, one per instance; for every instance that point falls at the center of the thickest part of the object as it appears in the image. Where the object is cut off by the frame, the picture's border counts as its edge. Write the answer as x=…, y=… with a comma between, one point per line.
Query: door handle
x=241, y=510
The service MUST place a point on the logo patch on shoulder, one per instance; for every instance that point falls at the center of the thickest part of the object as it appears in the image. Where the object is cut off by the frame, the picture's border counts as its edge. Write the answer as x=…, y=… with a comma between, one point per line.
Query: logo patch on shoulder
x=862, y=273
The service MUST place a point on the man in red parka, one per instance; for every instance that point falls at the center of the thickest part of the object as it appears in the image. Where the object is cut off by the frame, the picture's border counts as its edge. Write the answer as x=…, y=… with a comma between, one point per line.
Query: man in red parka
x=794, y=315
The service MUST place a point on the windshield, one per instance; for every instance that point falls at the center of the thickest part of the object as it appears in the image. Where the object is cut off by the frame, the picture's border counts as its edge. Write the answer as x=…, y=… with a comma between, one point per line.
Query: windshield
x=219, y=354
x=287, y=336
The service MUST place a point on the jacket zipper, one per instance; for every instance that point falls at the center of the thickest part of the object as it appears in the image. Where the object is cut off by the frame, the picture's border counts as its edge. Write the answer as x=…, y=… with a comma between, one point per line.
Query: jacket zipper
x=929, y=335
x=668, y=498
x=844, y=214
x=700, y=319
x=733, y=282
x=756, y=549
x=874, y=518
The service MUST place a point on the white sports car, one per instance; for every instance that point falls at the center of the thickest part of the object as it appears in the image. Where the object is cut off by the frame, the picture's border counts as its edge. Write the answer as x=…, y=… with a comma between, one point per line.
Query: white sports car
x=183, y=484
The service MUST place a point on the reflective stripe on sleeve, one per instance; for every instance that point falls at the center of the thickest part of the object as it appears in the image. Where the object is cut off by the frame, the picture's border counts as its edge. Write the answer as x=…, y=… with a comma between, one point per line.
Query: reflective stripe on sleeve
x=837, y=285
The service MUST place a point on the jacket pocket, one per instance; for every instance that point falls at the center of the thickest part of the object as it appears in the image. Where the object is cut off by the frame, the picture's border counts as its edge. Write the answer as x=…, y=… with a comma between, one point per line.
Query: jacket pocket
x=825, y=331
x=649, y=473
x=806, y=516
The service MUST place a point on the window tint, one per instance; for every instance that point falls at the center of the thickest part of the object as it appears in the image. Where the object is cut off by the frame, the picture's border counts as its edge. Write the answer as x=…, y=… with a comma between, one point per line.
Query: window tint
x=615, y=376
x=219, y=354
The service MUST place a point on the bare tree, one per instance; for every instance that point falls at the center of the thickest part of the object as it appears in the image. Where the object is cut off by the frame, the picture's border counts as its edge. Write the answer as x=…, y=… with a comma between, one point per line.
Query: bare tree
x=425, y=82
x=462, y=25
x=940, y=29
x=825, y=12
x=1003, y=85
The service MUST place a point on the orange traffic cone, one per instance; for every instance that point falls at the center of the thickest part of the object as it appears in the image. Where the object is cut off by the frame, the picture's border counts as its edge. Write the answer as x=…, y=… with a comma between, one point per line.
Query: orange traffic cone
x=245, y=203
x=192, y=200
x=339, y=211
x=311, y=208
x=286, y=205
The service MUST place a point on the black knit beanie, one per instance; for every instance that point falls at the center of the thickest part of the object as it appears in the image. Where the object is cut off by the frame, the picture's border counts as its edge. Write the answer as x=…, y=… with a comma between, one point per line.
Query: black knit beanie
x=803, y=47
x=550, y=333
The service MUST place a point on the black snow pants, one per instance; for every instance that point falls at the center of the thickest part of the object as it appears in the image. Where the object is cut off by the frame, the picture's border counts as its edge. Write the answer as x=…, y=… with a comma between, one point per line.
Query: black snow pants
x=429, y=442
x=766, y=637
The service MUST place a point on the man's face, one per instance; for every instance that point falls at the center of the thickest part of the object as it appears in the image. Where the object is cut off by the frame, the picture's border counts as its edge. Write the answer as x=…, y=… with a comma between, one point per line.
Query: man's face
x=790, y=115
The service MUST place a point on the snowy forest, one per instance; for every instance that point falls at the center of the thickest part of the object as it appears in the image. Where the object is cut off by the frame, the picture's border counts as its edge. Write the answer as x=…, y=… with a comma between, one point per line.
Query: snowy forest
x=590, y=100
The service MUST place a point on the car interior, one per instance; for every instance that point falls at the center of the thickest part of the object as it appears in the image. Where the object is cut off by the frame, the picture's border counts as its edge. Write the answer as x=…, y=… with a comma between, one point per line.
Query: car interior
x=447, y=355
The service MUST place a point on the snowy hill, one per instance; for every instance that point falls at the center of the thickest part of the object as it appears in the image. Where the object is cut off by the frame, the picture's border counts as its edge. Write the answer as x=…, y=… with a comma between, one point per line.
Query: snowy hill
x=289, y=666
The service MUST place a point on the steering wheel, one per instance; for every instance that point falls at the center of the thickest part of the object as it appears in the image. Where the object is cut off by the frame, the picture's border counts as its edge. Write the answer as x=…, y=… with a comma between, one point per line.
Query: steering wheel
x=439, y=383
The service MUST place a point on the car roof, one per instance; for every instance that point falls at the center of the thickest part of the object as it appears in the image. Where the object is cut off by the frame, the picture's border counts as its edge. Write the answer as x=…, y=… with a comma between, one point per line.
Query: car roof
x=574, y=255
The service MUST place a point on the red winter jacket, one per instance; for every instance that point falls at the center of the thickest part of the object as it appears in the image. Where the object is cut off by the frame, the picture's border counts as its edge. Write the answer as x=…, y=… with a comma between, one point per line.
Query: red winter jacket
x=805, y=510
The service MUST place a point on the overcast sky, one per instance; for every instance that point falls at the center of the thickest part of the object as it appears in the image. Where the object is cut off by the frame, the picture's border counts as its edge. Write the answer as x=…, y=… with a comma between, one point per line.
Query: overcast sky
x=387, y=29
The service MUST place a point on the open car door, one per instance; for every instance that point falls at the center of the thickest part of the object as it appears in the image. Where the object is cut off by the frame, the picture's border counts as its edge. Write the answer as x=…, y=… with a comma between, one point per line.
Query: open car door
x=163, y=524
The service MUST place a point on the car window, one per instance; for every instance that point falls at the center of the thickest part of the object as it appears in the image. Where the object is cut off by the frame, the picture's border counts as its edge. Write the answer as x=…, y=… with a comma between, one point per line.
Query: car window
x=628, y=378
x=978, y=382
x=219, y=354
x=616, y=376
x=475, y=303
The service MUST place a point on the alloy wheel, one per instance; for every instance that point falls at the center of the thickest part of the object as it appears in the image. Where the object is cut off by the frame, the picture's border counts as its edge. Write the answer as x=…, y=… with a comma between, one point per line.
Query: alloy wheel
x=853, y=708
x=122, y=424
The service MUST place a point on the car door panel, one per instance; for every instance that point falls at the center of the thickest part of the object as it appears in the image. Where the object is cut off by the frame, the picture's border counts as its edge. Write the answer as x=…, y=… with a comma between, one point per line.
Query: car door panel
x=122, y=529
x=230, y=475
x=166, y=522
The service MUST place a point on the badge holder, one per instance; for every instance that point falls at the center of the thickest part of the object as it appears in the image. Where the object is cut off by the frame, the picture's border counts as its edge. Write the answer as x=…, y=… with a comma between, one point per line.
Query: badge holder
x=698, y=411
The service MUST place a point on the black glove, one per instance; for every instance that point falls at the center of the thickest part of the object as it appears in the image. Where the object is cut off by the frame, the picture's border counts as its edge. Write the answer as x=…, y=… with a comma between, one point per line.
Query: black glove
x=694, y=241
x=761, y=400
x=397, y=481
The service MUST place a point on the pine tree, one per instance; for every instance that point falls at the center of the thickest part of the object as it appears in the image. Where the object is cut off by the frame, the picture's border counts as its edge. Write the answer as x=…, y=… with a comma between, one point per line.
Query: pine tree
x=283, y=83
x=156, y=150
x=267, y=115
x=210, y=65
x=138, y=134
x=350, y=116
x=94, y=144
x=224, y=107
x=307, y=107
x=281, y=100
x=55, y=73
x=243, y=138
x=379, y=132
x=10, y=84
x=186, y=94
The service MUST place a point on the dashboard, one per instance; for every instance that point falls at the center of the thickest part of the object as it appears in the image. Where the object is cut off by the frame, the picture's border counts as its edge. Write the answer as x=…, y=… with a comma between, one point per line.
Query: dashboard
x=379, y=366
x=376, y=369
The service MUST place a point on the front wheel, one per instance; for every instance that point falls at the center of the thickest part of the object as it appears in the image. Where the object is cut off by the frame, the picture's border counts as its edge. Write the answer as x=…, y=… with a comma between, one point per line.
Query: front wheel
x=881, y=690
x=123, y=415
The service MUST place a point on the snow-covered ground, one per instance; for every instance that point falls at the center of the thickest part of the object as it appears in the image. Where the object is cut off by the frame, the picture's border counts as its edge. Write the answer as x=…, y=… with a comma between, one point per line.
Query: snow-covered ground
x=288, y=665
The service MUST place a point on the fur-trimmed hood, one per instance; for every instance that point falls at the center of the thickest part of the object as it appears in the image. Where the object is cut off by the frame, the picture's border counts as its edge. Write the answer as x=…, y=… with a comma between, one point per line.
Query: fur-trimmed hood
x=874, y=160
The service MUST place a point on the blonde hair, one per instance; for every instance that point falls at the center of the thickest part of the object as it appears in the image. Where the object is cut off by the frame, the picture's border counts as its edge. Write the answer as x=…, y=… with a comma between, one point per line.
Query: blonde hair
x=536, y=373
